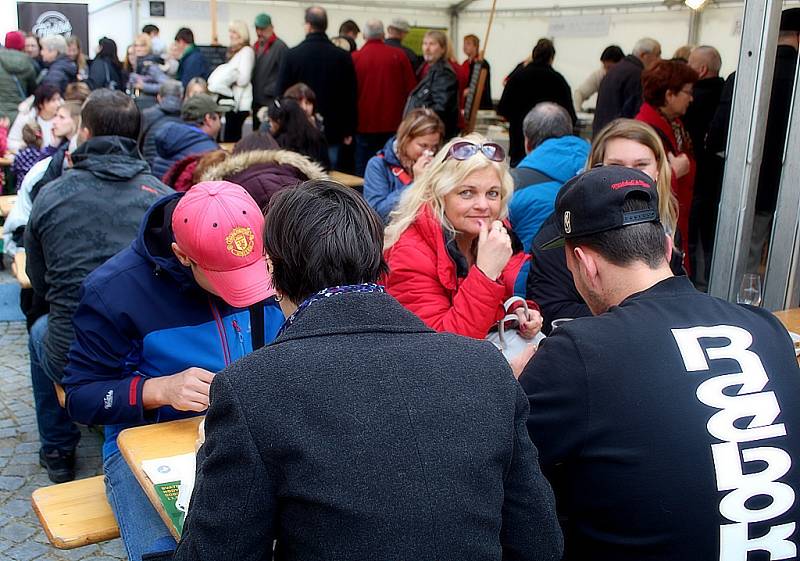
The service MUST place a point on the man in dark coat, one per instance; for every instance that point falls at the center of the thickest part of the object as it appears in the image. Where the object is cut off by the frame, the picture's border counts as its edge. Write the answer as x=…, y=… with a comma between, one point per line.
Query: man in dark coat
x=780, y=103
x=385, y=79
x=529, y=86
x=620, y=93
x=76, y=224
x=382, y=439
x=270, y=51
x=167, y=109
x=192, y=63
x=395, y=32
x=329, y=71
x=61, y=70
x=705, y=60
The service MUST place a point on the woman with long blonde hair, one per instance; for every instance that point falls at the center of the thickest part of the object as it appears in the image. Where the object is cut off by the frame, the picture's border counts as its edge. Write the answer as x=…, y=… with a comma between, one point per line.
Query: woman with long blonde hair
x=452, y=257
x=623, y=142
x=232, y=80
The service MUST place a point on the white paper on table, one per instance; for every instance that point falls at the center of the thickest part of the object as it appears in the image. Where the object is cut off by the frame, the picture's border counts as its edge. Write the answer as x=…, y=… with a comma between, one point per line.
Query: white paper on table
x=174, y=468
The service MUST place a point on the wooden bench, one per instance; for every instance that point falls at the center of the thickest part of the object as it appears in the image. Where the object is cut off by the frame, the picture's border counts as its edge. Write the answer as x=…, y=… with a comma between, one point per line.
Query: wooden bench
x=75, y=514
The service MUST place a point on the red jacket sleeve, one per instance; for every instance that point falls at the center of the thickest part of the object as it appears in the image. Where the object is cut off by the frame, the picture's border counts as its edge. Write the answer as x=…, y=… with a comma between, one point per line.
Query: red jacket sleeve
x=414, y=282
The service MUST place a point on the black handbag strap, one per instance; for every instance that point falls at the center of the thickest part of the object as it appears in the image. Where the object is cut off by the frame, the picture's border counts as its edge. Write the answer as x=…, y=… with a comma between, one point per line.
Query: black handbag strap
x=257, y=325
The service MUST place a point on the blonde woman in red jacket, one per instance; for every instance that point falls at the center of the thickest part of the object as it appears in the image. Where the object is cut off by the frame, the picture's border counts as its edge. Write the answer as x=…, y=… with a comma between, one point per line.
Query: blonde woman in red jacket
x=452, y=257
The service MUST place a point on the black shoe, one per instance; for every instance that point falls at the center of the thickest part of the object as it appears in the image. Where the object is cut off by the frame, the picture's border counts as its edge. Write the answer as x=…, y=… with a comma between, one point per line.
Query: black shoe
x=60, y=465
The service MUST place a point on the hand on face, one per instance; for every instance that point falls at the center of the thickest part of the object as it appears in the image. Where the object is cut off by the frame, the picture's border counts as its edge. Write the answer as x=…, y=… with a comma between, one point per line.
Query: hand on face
x=494, y=250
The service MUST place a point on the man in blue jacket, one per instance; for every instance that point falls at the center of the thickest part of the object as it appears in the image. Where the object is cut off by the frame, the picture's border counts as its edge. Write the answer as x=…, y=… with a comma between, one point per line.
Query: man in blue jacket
x=554, y=155
x=158, y=320
x=196, y=134
x=192, y=63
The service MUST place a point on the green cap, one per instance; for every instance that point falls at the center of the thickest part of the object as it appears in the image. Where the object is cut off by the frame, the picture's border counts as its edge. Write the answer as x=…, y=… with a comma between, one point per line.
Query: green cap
x=263, y=20
x=199, y=105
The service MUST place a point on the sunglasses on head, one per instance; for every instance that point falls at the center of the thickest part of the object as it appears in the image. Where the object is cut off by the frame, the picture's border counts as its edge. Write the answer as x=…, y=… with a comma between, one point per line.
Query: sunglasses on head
x=464, y=150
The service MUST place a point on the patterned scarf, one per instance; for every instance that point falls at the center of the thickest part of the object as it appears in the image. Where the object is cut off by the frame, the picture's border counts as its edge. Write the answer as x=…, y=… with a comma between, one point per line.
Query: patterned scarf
x=327, y=293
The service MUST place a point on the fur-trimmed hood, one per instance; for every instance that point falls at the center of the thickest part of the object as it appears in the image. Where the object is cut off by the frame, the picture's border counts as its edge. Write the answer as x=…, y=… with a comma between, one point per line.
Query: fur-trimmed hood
x=240, y=162
x=265, y=172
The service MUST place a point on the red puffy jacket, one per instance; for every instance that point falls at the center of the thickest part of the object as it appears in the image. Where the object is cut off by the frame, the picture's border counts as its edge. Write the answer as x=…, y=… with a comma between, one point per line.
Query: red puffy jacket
x=422, y=277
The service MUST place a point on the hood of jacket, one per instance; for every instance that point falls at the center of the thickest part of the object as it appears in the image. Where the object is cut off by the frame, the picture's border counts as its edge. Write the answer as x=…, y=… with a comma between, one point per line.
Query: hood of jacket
x=389, y=154
x=176, y=138
x=154, y=242
x=264, y=172
x=111, y=158
x=559, y=158
x=15, y=62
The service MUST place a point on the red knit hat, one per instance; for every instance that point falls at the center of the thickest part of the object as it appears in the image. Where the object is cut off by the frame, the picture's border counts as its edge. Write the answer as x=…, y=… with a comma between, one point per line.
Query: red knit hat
x=15, y=40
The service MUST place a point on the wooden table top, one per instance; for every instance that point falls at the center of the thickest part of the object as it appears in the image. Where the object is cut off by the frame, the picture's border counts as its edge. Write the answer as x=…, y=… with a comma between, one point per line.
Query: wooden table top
x=227, y=146
x=790, y=319
x=150, y=442
x=346, y=179
x=6, y=202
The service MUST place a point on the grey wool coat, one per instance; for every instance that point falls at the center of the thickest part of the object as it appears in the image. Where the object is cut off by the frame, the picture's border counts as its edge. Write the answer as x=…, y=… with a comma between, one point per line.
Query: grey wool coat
x=360, y=434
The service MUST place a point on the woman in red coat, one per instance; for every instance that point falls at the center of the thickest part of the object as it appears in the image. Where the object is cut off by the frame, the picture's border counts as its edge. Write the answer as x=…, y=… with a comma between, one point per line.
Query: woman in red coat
x=667, y=94
x=452, y=259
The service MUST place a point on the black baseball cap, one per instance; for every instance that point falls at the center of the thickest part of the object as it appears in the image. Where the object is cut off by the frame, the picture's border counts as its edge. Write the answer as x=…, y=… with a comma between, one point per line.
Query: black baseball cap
x=592, y=202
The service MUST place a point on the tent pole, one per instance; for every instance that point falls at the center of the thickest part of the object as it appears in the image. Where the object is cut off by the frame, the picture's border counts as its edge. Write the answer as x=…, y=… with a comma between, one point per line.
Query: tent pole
x=213, y=9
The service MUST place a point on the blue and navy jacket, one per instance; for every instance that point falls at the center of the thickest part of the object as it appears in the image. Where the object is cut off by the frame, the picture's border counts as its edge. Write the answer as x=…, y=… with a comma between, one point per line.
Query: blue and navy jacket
x=142, y=315
x=174, y=141
x=385, y=180
x=561, y=159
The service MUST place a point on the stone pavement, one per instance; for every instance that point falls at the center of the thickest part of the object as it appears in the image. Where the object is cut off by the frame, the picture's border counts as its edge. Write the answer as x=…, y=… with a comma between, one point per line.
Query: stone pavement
x=21, y=535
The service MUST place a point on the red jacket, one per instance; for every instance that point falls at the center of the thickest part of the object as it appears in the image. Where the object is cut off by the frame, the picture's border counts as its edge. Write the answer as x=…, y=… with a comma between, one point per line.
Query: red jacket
x=683, y=187
x=385, y=78
x=422, y=277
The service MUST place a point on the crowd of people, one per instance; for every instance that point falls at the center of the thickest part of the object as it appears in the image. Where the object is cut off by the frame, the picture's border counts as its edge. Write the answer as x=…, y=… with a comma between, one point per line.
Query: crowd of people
x=491, y=354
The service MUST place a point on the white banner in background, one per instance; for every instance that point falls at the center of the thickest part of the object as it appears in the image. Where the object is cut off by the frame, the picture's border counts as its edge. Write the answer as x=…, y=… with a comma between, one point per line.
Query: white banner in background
x=579, y=26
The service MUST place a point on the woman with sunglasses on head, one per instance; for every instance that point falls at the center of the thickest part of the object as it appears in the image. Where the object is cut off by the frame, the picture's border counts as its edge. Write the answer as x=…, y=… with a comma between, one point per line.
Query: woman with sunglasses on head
x=667, y=94
x=453, y=260
x=623, y=142
x=404, y=157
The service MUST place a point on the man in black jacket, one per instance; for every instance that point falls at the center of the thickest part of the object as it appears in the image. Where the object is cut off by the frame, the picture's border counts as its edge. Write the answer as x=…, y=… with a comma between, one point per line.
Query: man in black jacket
x=77, y=223
x=270, y=51
x=329, y=71
x=669, y=422
x=620, y=93
x=528, y=87
x=705, y=60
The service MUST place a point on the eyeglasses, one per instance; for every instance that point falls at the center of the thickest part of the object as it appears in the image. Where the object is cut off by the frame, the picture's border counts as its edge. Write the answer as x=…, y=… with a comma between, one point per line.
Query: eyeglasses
x=464, y=150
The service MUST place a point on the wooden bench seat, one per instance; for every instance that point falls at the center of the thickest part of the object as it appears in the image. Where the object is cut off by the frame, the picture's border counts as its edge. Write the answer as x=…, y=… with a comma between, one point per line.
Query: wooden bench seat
x=75, y=514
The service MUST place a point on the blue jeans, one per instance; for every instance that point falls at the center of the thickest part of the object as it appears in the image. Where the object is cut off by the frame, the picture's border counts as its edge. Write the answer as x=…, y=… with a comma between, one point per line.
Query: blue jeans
x=56, y=429
x=140, y=526
x=333, y=154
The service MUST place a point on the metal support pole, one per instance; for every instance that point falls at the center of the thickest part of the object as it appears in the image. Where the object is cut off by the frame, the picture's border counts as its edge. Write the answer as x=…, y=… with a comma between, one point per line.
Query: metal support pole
x=454, y=28
x=134, y=21
x=695, y=22
x=782, y=285
x=745, y=145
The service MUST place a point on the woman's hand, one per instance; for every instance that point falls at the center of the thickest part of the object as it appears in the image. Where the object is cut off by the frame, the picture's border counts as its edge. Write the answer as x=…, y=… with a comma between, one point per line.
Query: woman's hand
x=494, y=249
x=530, y=323
x=680, y=164
x=519, y=362
x=421, y=164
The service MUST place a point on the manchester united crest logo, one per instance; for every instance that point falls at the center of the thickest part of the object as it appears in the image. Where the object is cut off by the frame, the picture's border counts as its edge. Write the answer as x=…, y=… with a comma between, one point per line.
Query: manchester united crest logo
x=240, y=241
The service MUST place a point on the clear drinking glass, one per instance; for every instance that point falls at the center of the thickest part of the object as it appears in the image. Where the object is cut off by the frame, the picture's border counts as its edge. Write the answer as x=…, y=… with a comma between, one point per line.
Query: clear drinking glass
x=750, y=290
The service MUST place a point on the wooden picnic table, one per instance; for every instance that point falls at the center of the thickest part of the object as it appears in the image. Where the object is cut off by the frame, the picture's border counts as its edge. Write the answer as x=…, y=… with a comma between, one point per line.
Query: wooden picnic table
x=227, y=146
x=6, y=203
x=790, y=319
x=346, y=179
x=150, y=442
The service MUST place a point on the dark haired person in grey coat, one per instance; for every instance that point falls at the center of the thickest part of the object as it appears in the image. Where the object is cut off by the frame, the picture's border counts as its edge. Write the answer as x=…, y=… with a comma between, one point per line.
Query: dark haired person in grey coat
x=360, y=433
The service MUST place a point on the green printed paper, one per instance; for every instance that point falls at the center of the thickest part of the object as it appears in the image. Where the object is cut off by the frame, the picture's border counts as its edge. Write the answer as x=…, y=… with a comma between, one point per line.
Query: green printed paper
x=168, y=494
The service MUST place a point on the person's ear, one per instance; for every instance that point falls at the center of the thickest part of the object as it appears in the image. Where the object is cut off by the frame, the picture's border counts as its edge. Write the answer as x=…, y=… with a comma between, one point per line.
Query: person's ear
x=208, y=119
x=587, y=265
x=181, y=255
x=528, y=147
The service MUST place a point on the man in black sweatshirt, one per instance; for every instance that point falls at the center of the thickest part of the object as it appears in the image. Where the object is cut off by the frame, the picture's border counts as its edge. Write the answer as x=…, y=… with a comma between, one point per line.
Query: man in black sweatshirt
x=78, y=222
x=668, y=422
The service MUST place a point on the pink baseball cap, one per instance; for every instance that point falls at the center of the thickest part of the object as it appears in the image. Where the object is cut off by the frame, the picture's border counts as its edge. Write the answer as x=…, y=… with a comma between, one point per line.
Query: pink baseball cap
x=219, y=226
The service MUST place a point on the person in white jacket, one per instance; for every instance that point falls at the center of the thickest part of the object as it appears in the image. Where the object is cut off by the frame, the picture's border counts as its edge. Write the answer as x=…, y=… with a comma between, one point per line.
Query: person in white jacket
x=232, y=80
